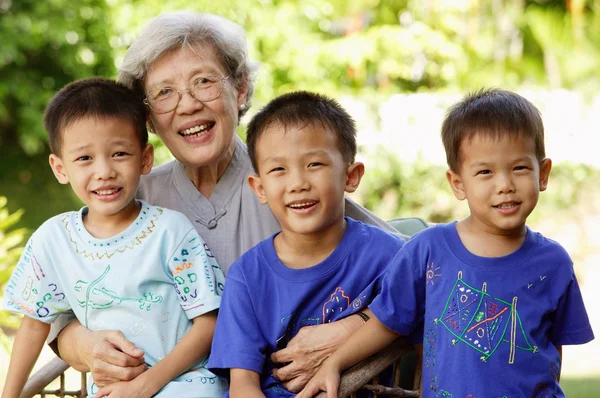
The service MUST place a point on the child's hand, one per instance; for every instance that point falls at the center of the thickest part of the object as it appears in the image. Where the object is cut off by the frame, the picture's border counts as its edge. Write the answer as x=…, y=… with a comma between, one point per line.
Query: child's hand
x=326, y=379
x=125, y=389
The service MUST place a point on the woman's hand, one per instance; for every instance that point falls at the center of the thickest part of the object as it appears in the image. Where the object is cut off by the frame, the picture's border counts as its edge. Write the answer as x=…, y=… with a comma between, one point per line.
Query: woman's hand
x=112, y=358
x=307, y=350
x=107, y=354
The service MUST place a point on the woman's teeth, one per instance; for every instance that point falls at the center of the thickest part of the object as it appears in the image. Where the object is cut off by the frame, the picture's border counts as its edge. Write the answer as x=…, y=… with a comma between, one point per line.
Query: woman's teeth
x=195, y=130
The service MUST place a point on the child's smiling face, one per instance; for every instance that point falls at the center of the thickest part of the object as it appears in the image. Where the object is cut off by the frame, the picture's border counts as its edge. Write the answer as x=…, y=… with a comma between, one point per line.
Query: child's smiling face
x=501, y=180
x=103, y=160
x=303, y=177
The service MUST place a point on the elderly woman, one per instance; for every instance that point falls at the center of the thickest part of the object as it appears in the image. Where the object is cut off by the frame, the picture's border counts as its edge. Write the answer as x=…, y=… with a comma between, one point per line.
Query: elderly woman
x=193, y=73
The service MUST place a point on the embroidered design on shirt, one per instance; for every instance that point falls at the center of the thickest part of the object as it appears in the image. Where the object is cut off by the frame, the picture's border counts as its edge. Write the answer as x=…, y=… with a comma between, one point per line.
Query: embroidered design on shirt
x=99, y=255
x=431, y=273
x=90, y=296
x=338, y=302
x=473, y=317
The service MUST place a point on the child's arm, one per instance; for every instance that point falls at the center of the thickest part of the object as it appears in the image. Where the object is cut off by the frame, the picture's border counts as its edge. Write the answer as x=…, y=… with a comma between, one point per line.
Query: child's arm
x=194, y=346
x=369, y=339
x=245, y=383
x=27, y=347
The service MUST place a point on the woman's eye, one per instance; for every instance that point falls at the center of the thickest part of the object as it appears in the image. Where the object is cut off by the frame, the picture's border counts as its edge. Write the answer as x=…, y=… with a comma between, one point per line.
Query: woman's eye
x=162, y=93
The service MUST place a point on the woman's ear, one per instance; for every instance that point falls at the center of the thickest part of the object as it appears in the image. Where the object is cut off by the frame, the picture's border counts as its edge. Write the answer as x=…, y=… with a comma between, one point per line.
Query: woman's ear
x=58, y=168
x=242, y=90
x=456, y=184
x=354, y=174
x=150, y=125
x=257, y=187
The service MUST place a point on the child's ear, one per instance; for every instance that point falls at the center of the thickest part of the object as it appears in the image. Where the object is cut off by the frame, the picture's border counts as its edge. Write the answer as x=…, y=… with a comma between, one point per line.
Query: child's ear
x=456, y=184
x=147, y=158
x=256, y=185
x=58, y=168
x=545, y=167
x=354, y=174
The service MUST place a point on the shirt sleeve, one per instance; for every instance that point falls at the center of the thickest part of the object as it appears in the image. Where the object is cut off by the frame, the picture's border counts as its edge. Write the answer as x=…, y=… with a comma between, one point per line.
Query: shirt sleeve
x=34, y=289
x=400, y=306
x=198, y=279
x=238, y=341
x=571, y=323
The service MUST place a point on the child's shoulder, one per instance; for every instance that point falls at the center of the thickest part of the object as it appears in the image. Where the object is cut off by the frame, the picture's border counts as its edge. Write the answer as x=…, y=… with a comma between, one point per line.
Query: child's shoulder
x=168, y=216
x=549, y=248
x=364, y=231
x=57, y=222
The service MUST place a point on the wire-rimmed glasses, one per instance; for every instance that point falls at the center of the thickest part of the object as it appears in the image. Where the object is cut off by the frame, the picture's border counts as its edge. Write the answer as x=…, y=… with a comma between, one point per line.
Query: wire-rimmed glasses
x=204, y=89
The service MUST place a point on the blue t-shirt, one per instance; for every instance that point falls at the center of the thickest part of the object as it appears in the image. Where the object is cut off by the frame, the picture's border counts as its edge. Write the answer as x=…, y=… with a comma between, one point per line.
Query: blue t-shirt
x=490, y=325
x=265, y=303
x=149, y=281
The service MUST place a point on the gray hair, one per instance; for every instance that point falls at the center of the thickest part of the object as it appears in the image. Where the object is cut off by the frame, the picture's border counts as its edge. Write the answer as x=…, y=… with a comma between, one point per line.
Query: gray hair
x=170, y=31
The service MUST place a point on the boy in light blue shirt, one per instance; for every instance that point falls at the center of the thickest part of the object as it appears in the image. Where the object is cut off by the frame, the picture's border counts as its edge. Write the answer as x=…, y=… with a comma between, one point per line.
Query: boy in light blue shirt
x=118, y=262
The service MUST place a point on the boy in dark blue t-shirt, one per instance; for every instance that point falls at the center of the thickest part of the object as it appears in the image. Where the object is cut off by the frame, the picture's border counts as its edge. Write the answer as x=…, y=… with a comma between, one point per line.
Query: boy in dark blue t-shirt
x=322, y=266
x=498, y=301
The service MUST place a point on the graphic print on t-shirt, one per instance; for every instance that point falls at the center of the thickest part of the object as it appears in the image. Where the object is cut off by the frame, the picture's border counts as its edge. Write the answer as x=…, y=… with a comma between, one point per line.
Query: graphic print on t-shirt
x=476, y=319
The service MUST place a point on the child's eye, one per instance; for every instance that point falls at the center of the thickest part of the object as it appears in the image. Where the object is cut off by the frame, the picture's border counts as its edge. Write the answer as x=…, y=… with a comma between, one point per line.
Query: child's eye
x=315, y=164
x=275, y=169
x=483, y=172
x=521, y=168
x=120, y=154
x=83, y=158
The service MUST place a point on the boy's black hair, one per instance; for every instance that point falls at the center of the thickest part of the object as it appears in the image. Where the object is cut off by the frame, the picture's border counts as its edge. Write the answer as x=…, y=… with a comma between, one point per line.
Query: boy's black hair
x=300, y=109
x=94, y=97
x=493, y=113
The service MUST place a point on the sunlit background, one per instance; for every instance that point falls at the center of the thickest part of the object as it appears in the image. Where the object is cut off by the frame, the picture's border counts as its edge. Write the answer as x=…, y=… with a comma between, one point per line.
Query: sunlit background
x=396, y=65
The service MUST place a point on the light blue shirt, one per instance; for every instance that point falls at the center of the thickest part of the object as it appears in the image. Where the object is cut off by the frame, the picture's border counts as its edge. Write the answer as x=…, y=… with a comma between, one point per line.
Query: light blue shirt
x=149, y=281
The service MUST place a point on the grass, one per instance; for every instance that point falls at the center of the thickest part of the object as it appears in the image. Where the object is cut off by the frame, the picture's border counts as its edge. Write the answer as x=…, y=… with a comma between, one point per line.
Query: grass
x=581, y=388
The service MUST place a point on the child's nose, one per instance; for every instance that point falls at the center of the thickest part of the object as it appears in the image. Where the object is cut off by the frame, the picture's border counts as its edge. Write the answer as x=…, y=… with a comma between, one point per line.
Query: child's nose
x=505, y=184
x=104, y=170
x=298, y=182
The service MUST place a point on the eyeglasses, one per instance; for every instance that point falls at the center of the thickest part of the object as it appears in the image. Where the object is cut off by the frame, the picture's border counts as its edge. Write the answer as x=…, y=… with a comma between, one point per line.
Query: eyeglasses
x=203, y=89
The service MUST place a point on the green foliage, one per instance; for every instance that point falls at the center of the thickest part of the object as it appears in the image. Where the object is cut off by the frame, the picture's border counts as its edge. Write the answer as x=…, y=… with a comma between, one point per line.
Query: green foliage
x=45, y=45
x=392, y=189
x=10, y=250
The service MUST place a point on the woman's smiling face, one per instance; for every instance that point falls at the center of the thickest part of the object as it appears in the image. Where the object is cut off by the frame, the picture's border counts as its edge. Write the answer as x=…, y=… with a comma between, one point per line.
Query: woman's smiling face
x=197, y=133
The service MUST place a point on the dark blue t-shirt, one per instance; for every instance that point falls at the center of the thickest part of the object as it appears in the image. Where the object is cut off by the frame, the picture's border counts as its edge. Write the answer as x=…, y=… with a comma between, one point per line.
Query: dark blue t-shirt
x=265, y=303
x=491, y=325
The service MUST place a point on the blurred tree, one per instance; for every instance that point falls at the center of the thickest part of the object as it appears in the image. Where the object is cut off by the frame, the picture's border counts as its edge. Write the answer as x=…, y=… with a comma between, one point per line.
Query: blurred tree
x=45, y=45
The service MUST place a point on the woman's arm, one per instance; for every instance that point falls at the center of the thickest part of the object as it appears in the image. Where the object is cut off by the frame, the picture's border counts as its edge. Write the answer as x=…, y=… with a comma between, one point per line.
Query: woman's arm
x=27, y=347
x=194, y=346
x=245, y=383
x=312, y=345
x=107, y=354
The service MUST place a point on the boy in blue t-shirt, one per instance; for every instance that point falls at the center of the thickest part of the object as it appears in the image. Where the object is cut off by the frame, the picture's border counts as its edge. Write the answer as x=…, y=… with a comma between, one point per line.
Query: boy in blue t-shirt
x=322, y=266
x=497, y=300
x=118, y=263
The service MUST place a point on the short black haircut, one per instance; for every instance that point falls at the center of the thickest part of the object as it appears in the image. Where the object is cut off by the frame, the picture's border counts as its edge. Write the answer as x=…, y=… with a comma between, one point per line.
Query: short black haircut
x=493, y=113
x=95, y=97
x=303, y=108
